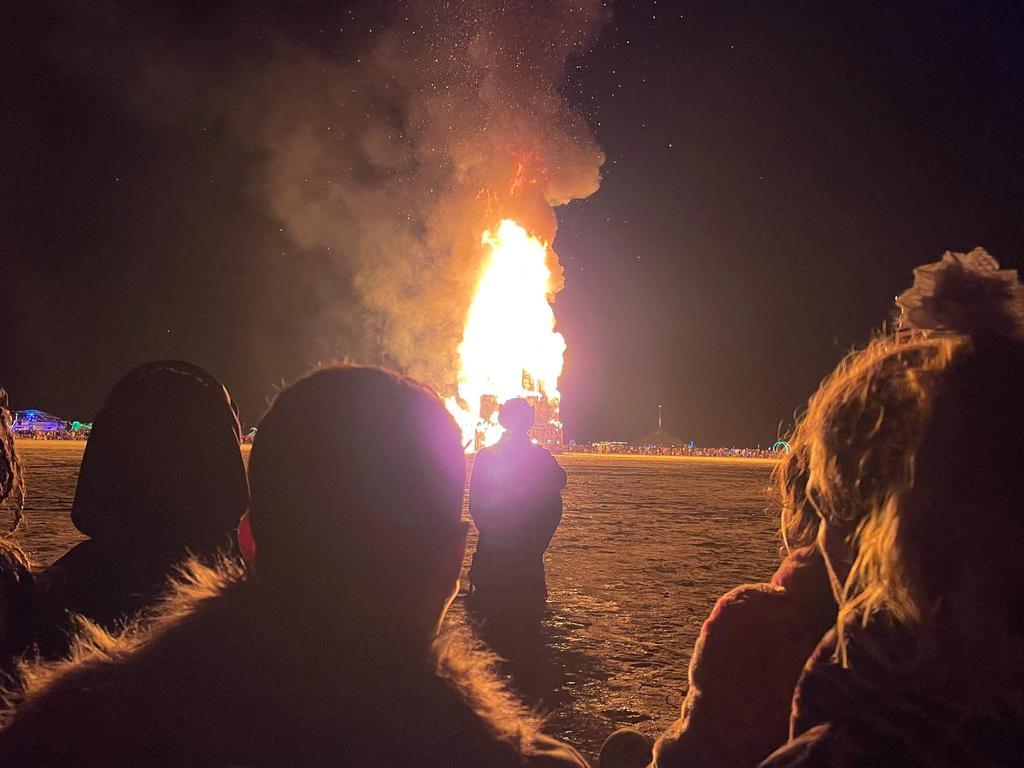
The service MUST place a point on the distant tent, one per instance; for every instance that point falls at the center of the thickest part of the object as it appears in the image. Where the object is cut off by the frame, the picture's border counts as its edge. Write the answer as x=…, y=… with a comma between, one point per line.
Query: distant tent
x=37, y=421
x=660, y=438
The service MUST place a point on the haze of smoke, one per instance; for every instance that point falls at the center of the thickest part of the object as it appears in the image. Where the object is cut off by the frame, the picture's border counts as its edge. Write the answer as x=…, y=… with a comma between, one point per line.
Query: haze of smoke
x=382, y=161
x=396, y=160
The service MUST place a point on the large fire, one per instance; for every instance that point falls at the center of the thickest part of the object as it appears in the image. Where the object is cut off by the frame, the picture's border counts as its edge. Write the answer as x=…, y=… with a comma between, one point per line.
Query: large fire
x=509, y=345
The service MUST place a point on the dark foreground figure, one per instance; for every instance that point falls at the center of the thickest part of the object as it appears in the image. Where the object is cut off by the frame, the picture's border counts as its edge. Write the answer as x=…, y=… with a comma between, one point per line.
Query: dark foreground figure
x=327, y=653
x=906, y=484
x=16, y=584
x=515, y=499
x=162, y=478
x=925, y=666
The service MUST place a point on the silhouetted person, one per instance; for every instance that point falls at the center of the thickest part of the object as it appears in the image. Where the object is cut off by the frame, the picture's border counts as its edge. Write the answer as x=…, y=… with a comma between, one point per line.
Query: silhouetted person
x=515, y=499
x=162, y=478
x=326, y=653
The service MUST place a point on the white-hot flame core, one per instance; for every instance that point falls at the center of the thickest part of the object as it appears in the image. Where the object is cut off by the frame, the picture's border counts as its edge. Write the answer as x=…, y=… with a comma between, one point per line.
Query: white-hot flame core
x=510, y=330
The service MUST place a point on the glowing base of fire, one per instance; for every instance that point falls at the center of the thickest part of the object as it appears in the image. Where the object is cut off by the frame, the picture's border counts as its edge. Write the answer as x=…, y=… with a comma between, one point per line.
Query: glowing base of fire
x=546, y=429
x=509, y=345
x=480, y=432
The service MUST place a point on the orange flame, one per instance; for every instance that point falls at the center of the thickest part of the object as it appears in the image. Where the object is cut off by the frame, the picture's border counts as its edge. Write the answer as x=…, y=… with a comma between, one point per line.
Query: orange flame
x=509, y=345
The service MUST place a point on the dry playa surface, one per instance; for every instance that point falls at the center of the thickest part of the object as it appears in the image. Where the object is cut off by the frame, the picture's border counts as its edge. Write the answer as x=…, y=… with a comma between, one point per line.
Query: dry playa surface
x=646, y=546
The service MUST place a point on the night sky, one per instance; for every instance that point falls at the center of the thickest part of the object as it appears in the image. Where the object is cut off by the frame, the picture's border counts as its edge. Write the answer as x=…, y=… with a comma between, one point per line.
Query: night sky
x=773, y=173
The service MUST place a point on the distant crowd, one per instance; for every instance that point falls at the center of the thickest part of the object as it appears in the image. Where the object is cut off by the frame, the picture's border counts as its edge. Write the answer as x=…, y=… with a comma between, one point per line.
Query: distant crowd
x=630, y=449
x=290, y=612
x=52, y=434
x=624, y=449
x=606, y=447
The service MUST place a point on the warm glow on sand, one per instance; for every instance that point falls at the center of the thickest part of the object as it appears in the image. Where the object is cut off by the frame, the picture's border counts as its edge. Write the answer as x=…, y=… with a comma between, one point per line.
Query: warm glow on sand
x=510, y=331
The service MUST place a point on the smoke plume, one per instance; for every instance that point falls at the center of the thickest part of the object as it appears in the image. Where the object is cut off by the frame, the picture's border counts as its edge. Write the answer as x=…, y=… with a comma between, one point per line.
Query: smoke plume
x=392, y=159
x=314, y=177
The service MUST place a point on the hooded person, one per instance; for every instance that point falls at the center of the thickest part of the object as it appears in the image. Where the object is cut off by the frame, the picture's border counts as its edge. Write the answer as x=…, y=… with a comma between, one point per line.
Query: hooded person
x=162, y=478
x=327, y=651
x=515, y=499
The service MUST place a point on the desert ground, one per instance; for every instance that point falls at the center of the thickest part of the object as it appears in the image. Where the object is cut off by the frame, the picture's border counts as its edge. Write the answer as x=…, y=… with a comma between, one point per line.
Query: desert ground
x=645, y=547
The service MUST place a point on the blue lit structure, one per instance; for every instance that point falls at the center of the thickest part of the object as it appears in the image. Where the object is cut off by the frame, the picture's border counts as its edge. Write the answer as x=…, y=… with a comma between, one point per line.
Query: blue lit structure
x=37, y=421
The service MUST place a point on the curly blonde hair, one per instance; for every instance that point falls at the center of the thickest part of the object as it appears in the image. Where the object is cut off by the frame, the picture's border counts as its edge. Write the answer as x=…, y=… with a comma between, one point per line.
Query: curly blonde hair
x=941, y=551
x=856, y=440
x=909, y=452
x=853, y=459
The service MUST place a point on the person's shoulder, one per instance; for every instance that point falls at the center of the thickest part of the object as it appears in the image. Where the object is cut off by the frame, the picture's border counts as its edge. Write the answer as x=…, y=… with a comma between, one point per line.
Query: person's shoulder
x=540, y=450
x=65, y=707
x=544, y=457
x=823, y=746
x=474, y=700
x=829, y=691
x=824, y=690
x=119, y=691
x=744, y=608
x=73, y=584
x=804, y=575
x=742, y=623
x=546, y=752
x=83, y=550
x=81, y=557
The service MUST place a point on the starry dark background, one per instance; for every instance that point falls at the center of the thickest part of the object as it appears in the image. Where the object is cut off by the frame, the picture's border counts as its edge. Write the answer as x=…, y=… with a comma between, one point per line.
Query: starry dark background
x=774, y=171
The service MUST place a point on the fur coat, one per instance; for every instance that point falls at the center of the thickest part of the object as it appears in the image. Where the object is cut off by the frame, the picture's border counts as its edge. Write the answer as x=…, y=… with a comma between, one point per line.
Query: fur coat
x=745, y=666
x=220, y=678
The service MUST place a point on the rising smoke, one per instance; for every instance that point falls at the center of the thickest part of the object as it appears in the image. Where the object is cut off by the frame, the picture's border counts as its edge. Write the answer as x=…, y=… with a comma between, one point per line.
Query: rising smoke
x=350, y=155
x=394, y=160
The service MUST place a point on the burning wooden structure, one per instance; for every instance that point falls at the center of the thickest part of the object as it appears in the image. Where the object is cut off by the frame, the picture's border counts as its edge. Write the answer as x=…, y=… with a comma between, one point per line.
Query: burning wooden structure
x=547, y=427
x=510, y=347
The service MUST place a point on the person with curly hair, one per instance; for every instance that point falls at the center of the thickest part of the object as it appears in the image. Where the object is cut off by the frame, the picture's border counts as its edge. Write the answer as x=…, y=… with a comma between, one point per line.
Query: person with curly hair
x=162, y=478
x=924, y=667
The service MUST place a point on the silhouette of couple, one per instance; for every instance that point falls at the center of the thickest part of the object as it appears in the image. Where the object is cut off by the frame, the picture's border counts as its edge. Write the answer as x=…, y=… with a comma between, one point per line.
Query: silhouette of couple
x=515, y=498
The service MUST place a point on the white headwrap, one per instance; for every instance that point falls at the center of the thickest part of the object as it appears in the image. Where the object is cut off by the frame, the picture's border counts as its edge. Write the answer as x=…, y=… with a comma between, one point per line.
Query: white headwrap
x=963, y=293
